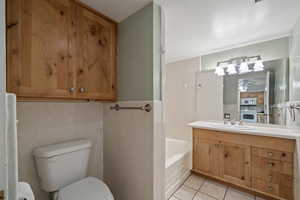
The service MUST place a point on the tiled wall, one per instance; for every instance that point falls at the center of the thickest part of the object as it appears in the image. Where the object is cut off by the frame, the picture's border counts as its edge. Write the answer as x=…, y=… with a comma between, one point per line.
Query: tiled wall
x=47, y=123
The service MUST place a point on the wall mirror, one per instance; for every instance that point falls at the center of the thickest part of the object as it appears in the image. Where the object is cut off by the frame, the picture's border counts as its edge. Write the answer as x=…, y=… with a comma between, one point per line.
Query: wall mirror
x=258, y=97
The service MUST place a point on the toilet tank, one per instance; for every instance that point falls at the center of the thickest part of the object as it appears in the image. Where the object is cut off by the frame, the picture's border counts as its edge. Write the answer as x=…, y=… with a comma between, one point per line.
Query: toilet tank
x=59, y=165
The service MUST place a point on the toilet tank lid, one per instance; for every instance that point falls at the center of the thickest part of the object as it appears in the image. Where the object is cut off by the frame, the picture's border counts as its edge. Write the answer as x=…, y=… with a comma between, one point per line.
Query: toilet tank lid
x=61, y=148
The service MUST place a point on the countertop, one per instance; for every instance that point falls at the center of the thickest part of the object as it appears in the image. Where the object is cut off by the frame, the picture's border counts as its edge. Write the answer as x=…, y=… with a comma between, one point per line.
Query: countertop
x=258, y=130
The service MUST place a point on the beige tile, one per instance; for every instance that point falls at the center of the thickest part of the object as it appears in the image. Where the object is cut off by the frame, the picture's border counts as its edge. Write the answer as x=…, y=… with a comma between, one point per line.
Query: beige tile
x=194, y=182
x=259, y=198
x=173, y=198
x=201, y=196
x=185, y=193
x=214, y=189
x=233, y=194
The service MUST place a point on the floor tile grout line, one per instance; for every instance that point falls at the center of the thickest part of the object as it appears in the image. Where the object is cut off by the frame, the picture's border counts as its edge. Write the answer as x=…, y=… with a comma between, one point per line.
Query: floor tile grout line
x=173, y=194
x=204, y=180
x=227, y=188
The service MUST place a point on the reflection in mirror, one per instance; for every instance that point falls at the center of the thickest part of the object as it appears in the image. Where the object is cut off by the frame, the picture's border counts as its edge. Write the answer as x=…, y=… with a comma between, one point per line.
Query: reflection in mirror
x=258, y=97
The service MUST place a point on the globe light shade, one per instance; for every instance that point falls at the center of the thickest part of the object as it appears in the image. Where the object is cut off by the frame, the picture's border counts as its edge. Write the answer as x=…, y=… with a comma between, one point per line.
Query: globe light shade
x=244, y=68
x=259, y=66
x=220, y=71
x=231, y=69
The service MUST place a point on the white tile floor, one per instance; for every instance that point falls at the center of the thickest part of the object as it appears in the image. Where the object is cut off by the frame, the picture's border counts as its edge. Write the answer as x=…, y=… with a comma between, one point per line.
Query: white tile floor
x=198, y=188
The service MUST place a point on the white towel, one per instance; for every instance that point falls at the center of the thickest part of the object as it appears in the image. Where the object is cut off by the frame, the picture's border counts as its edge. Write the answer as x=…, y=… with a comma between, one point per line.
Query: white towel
x=24, y=191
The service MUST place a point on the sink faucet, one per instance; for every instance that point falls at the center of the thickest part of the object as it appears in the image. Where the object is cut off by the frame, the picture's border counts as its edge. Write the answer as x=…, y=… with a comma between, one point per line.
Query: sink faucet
x=233, y=122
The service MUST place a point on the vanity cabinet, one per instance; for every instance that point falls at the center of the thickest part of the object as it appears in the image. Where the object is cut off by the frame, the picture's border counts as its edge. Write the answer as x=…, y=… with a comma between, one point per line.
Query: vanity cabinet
x=59, y=49
x=263, y=165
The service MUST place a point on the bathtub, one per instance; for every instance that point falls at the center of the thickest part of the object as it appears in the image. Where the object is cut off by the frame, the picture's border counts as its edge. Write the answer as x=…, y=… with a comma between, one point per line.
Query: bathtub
x=178, y=164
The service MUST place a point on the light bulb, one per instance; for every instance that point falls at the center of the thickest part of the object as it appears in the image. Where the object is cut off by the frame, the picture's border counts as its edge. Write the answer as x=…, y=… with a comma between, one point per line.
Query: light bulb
x=244, y=68
x=220, y=71
x=231, y=69
x=259, y=66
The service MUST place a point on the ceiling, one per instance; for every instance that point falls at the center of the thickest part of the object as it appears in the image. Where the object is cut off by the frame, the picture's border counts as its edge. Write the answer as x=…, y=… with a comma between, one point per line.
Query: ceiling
x=196, y=27
x=118, y=10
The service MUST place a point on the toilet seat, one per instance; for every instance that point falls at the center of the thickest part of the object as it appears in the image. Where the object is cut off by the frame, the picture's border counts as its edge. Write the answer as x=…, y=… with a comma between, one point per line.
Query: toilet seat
x=88, y=189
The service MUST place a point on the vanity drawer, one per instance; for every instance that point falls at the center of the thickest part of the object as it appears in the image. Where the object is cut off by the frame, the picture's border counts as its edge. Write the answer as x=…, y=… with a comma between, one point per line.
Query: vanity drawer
x=286, y=192
x=271, y=154
x=273, y=177
x=265, y=187
x=264, y=165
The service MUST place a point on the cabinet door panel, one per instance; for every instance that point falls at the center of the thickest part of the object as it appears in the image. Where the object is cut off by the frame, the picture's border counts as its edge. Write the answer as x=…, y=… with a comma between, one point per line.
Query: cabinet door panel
x=97, y=50
x=235, y=163
x=39, y=48
x=206, y=156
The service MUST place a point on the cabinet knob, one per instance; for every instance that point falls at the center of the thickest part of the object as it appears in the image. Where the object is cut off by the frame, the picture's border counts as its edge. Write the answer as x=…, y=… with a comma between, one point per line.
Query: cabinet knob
x=270, y=154
x=270, y=164
x=72, y=89
x=283, y=154
x=82, y=90
x=270, y=188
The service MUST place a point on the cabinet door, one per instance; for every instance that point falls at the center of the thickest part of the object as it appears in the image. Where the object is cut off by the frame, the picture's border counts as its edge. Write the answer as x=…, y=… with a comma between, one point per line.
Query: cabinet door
x=235, y=164
x=206, y=154
x=97, y=52
x=39, y=48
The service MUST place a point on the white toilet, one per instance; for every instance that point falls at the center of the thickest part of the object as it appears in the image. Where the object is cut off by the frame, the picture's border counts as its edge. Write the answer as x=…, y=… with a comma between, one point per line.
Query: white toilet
x=62, y=169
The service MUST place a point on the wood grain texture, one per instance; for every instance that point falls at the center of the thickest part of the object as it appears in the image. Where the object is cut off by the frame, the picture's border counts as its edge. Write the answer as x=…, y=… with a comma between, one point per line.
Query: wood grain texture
x=257, y=163
x=43, y=50
x=54, y=46
x=236, y=163
x=96, y=70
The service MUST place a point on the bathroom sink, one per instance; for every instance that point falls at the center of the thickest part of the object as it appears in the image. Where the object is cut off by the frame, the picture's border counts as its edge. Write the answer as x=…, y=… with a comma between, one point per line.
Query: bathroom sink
x=240, y=127
x=228, y=126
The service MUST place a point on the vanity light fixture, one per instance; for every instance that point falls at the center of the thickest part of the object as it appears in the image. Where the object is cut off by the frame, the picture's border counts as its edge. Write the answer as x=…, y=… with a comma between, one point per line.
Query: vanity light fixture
x=240, y=65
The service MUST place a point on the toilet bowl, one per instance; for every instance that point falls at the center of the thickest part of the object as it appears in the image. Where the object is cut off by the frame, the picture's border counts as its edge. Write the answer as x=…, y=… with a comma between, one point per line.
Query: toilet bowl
x=89, y=189
x=62, y=169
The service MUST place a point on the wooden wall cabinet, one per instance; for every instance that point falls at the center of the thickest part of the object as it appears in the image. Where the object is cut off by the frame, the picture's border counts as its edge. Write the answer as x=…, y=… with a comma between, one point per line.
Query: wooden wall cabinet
x=60, y=49
x=259, y=164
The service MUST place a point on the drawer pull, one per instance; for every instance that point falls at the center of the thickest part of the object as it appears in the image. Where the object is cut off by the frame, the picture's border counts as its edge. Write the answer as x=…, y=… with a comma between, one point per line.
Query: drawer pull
x=283, y=154
x=72, y=89
x=270, y=188
x=270, y=178
x=270, y=154
x=270, y=164
x=81, y=90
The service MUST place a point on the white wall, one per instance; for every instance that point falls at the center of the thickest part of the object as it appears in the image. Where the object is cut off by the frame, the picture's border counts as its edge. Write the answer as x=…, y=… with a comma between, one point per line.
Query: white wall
x=269, y=50
x=42, y=123
x=2, y=89
x=295, y=63
x=180, y=97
